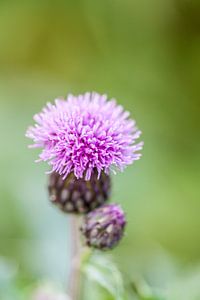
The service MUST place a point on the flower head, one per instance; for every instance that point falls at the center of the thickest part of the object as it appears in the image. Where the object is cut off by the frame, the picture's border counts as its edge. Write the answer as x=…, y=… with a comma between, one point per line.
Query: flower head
x=103, y=227
x=85, y=133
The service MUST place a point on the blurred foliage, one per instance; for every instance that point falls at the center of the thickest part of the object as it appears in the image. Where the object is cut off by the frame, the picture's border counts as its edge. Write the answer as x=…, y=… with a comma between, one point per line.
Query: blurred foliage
x=102, y=271
x=147, y=55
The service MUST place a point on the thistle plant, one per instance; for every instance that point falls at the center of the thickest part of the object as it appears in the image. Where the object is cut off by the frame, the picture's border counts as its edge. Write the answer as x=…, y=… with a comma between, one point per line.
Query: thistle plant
x=84, y=139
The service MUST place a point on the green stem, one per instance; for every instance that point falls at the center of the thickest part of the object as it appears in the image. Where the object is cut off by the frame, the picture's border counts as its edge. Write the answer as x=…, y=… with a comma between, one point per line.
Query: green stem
x=74, y=279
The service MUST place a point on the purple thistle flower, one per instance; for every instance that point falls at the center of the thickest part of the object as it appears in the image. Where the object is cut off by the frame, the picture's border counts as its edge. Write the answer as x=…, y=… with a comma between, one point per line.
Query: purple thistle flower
x=103, y=227
x=85, y=133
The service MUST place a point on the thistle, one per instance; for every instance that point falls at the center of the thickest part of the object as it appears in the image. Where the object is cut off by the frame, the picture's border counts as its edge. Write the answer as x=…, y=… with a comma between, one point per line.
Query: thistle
x=103, y=228
x=84, y=138
x=85, y=134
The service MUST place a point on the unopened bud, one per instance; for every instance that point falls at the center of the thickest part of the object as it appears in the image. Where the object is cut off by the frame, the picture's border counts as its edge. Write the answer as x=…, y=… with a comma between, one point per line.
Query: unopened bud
x=103, y=227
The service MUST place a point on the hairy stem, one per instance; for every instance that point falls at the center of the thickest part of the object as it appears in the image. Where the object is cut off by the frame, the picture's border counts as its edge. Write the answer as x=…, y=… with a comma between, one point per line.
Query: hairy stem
x=74, y=279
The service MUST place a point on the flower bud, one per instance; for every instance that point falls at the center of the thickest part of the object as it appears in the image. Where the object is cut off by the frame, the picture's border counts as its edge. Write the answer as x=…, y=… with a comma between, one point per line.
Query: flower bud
x=103, y=227
x=74, y=195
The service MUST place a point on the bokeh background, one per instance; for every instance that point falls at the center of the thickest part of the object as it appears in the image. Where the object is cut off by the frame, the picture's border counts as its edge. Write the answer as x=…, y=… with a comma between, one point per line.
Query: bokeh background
x=146, y=54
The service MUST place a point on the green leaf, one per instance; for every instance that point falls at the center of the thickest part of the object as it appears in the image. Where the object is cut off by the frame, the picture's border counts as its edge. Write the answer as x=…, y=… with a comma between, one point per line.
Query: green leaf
x=103, y=271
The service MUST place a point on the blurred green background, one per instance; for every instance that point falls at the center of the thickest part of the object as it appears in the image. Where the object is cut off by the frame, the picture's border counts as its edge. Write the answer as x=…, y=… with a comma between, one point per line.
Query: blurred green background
x=146, y=54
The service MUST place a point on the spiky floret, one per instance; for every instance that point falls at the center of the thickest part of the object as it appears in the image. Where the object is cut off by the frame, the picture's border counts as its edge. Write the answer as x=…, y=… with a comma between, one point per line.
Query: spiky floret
x=103, y=227
x=74, y=195
x=85, y=133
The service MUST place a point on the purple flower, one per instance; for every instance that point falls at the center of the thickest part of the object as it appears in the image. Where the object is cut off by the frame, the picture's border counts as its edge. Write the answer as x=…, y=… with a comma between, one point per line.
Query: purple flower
x=103, y=227
x=85, y=133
